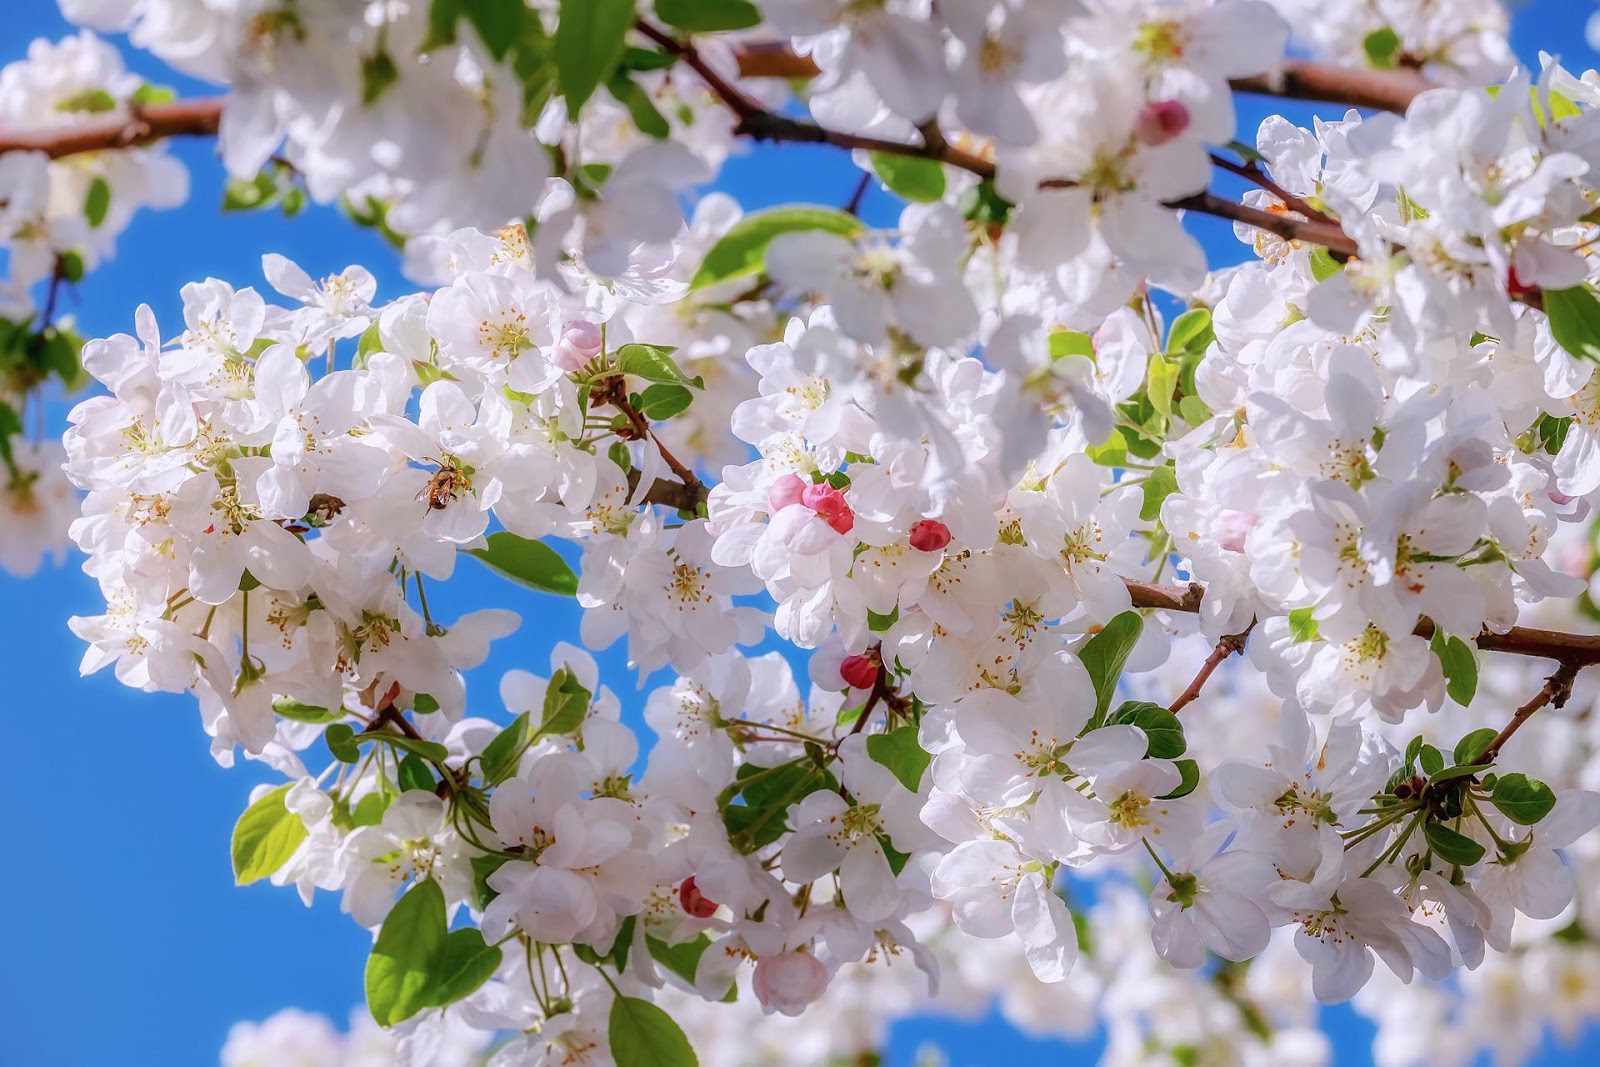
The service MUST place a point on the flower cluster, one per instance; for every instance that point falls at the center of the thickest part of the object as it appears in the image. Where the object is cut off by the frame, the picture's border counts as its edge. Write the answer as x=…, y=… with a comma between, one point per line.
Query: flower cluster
x=946, y=462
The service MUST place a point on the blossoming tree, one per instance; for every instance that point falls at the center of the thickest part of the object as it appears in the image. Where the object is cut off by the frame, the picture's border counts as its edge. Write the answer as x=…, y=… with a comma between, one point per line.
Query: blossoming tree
x=1181, y=643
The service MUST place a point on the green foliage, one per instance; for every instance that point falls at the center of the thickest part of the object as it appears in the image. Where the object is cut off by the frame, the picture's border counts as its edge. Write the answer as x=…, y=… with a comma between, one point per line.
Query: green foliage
x=642, y=1035
x=96, y=202
x=1162, y=730
x=742, y=251
x=654, y=363
x=566, y=702
x=1302, y=627
x=900, y=751
x=265, y=836
x=1460, y=666
x=1105, y=654
x=910, y=177
x=1382, y=47
x=661, y=401
x=1450, y=846
x=1190, y=770
x=708, y=16
x=588, y=46
x=1575, y=319
x=293, y=709
x=419, y=963
x=1521, y=799
x=640, y=107
x=533, y=563
x=1469, y=748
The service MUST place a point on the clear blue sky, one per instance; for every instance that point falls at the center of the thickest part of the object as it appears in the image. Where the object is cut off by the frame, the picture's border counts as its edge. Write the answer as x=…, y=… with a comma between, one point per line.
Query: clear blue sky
x=122, y=937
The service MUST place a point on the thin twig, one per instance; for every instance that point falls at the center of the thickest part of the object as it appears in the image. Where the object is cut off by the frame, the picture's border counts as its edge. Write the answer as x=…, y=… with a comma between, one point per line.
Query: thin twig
x=1228, y=646
x=1557, y=688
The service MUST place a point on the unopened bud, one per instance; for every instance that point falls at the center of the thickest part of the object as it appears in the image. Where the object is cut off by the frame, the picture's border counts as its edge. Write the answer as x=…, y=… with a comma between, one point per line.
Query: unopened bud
x=830, y=504
x=694, y=902
x=785, y=491
x=1160, y=121
x=929, y=535
x=580, y=342
x=859, y=672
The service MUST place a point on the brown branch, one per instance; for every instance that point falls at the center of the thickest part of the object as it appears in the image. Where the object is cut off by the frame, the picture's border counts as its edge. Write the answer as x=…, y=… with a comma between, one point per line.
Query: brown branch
x=1252, y=173
x=1557, y=688
x=1295, y=79
x=1228, y=646
x=184, y=118
x=1577, y=650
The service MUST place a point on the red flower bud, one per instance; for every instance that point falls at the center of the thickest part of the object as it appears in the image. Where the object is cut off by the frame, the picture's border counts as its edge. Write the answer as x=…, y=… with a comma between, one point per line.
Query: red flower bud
x=859, y=672
x=1161, y=121
x=694, y=902
x=929, y=535
x=1515, y=286
x=830, y=504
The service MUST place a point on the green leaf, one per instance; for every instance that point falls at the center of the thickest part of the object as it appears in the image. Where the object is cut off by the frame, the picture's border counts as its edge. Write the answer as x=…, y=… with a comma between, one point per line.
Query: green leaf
x=1460, y=666
x=1430, y=759
x=341, y=741
x=378, y=72
x=588, y=45
x=1302, y=627
x=642, y=1035
x=1469, y=748
x=88, y=102
x=900, y=751
x=442, y=18
x=742, y=250
x=400, y=979
x=661, y=401
x=415, y=773
x=1381, y=47
x=1161, y=728
x=1191, y=778
x=708, y=16
x=566, y=702
x=1460, y=770
x=682, y=959
x=498, y=22
x=96, y=202
x=654, y=363
x=293, y=709
x=464, y=963
x=1191, y=331
x=1451, y=846
x=265, y=836
x=1161, y=381
x=645, y=114
x=1065, y=343
x=533, y=563
x=250, y=195
x=1323, y=265
x=918, y=180
x=1104, y=655
x=70, y=264
x=1521, y=799
x=880, y=623
x=150, y=95
x=1158, y=485
x=1575, y=319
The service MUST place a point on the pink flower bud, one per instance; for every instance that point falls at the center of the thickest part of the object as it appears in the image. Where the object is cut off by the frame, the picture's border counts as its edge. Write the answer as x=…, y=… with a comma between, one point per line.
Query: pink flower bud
x=580, y=342
x=785, y=491
x=694, y=902
x=789, y=982
x=830, y=504
x=929, y=535
x=1161, y=121
x=1515, y=286
x=859, y=672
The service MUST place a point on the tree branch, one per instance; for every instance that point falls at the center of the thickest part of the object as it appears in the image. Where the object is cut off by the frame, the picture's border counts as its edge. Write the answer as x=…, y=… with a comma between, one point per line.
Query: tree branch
x=1557, y=688
x=1228, y=646
x=184, y=118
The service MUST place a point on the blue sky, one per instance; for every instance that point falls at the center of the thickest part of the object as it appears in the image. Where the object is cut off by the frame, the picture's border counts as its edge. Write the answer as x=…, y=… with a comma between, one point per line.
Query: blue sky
x=122, y=937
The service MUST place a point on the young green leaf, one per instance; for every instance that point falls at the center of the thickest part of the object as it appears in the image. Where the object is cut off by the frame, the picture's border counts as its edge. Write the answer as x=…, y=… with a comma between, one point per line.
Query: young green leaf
x=566, y=702
x=1450, y=846
x=400, y=977
x=1521, y=799
x=1191, y=331
x=96, y=202
x=1575, y=319
x=589, y=41
x=1190, y=770
x=1162, y=730
x=742, y=250
x=900, y=751
x=919, y=180
x=1104, y=655
x=654, y=363
x=265, y=836
x=661, y=401
x=1302, y=627
x=533, y=563
x=642, y=1035
x=708, y=16
x=1469, y=748
x=293, y=709
x=1460, y=666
